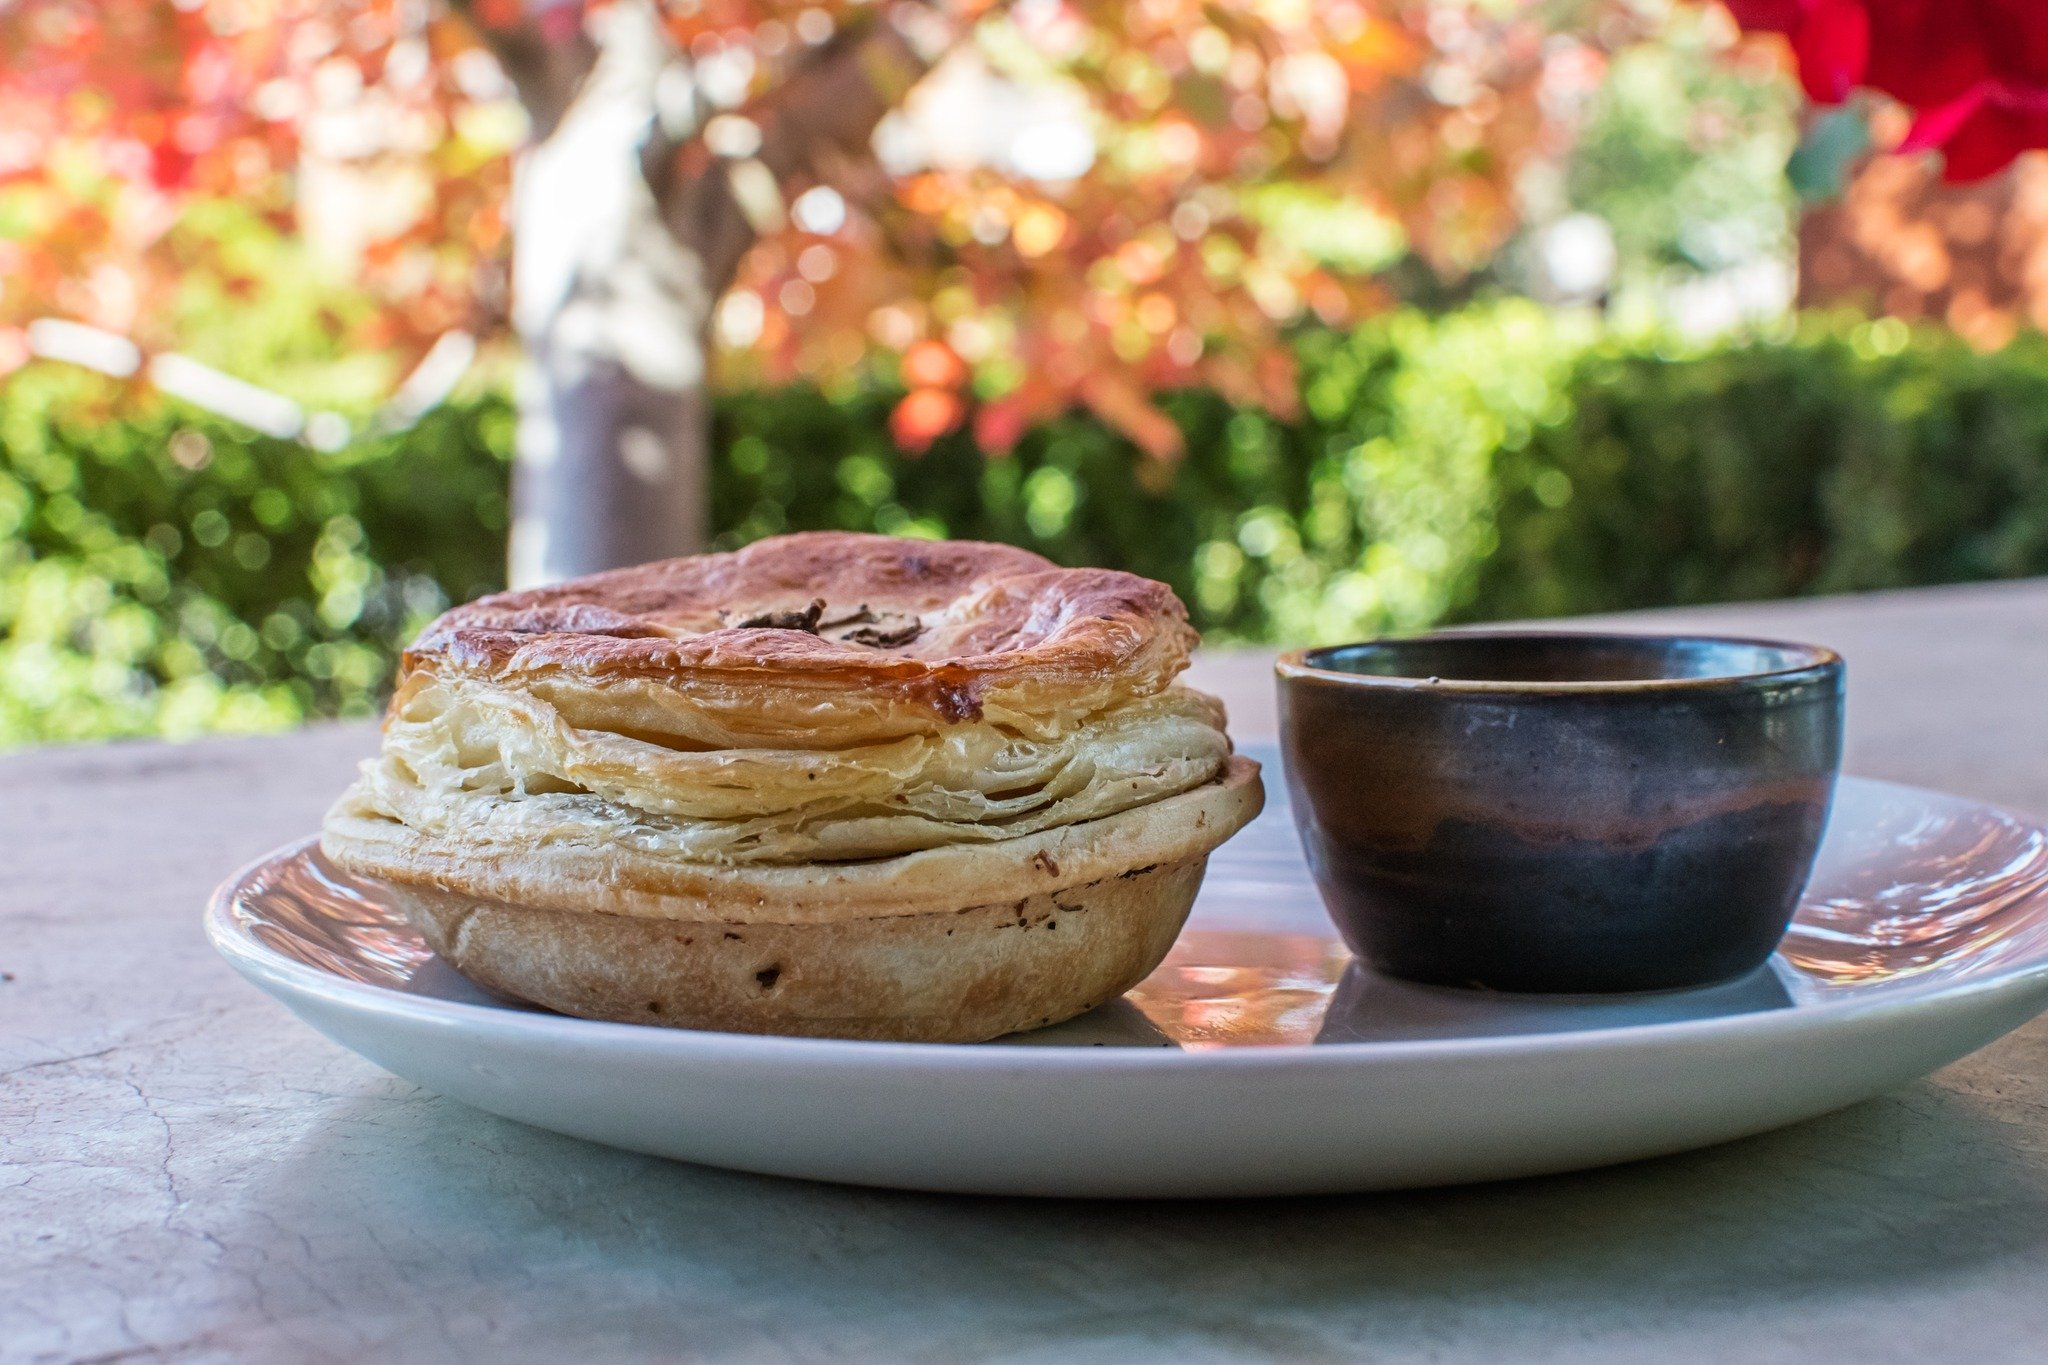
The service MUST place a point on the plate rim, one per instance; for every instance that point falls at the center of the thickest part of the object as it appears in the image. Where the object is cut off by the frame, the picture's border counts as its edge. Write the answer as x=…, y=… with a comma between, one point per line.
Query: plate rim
x=266, y=968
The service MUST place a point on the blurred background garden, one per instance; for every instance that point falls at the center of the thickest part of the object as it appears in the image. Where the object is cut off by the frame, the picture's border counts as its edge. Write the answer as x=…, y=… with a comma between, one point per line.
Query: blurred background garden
x=1340, y=318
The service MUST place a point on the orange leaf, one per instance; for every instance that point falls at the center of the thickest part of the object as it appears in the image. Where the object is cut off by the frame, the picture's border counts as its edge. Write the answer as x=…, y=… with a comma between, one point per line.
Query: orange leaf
x=1118, y=401
x=1278, y=384
x=923, y=416
x=999, y=425
x=932, y=365
x=499, y=14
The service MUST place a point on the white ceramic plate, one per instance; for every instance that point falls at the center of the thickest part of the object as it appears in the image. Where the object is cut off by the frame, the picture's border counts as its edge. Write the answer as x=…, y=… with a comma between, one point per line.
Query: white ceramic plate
x=1252, y=1062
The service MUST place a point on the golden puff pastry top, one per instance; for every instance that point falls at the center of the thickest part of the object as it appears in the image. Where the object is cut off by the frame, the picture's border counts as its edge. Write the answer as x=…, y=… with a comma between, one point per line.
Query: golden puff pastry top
x=823, y=639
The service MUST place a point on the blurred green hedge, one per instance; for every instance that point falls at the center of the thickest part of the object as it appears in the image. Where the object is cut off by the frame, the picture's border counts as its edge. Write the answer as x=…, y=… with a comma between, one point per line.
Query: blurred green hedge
x=164, y=572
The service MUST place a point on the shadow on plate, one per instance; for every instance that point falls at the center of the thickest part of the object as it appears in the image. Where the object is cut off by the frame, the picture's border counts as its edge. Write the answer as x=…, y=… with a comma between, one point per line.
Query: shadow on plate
x=1369, y=1008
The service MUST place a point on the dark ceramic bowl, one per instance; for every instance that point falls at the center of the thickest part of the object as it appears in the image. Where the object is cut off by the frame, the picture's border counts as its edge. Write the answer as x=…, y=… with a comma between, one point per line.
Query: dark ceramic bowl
x=1560, y=812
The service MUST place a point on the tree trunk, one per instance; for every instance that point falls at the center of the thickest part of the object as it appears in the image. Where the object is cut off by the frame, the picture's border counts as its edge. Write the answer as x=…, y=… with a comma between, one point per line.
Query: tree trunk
x=612, y=470
x=626, y=230
x=615, y=314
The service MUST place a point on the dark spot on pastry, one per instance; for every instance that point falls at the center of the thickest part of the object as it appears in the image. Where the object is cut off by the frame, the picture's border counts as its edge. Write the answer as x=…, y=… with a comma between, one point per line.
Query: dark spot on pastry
x=1136, y=872
x=957, y=703
x=860, y=615
x=731, y=935
x=798, y=618
x=768, y=975
x=654, y=1007
x=1044, y=862
x=1052, y=924
x=885, y=636
x=883, y=630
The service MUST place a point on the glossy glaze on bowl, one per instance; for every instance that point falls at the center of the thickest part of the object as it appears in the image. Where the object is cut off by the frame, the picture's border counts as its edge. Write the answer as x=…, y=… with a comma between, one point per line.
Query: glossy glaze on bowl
x=1554, y=812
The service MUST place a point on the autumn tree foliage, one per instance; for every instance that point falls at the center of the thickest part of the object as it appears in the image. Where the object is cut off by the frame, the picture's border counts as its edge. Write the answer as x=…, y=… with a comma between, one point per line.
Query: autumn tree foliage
x=1210, y=174
x=116, y=118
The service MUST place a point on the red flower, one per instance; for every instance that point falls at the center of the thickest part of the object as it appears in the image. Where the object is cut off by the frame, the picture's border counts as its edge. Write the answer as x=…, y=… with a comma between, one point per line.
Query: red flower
x=1831, y=39
x=1981, y=131
x=1974, y=72
x=1927, y=52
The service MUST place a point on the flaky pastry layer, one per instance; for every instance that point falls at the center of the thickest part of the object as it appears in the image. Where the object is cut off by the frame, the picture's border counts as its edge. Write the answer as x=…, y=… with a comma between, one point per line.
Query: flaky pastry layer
x=490, y=763
x=591, y=876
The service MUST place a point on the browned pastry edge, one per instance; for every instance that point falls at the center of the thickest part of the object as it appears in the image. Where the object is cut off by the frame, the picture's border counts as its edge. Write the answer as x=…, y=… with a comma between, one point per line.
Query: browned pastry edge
x=748, y=617
x=957, y=977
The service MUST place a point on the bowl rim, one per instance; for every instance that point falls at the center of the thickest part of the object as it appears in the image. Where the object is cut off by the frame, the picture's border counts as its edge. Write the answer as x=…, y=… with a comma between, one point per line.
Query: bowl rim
x=1816, y=662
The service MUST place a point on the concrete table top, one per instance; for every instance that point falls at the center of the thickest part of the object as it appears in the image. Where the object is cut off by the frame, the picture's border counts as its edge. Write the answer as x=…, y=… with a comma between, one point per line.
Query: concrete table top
x=187, y=1173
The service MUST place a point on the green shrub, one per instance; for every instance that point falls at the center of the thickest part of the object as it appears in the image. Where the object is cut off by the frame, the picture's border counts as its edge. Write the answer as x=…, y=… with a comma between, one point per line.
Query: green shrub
x=162, y=572
x=1847, y=457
